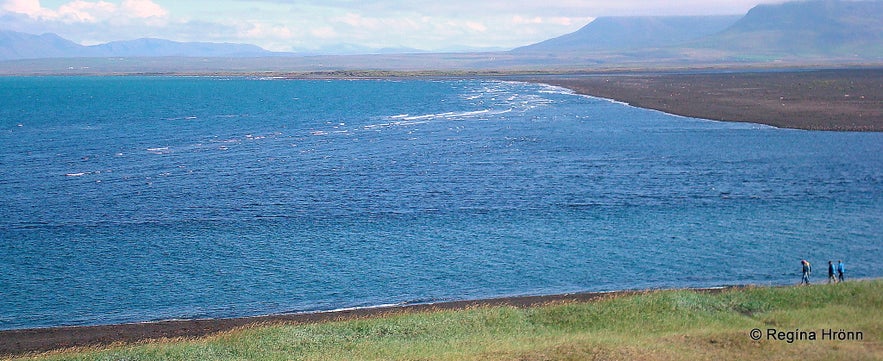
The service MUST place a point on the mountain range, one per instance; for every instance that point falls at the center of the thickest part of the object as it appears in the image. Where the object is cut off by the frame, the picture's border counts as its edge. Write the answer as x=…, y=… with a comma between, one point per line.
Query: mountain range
x=16, y=45
x=818, y=30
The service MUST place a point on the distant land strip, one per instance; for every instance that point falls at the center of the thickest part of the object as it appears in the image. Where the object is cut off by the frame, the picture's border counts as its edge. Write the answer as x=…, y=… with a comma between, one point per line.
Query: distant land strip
x=835, y=100
x=791, y=96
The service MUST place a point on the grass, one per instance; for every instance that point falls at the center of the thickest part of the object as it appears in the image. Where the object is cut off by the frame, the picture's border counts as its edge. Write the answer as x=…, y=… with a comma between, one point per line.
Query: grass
x=663, y=325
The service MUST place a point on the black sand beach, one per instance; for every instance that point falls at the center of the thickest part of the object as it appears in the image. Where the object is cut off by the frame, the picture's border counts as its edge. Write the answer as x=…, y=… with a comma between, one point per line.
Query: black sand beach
x=836, y=100
x=25, y=341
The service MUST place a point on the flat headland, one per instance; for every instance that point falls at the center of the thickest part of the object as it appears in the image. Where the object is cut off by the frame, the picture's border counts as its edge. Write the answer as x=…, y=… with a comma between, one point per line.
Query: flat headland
x=835, y=99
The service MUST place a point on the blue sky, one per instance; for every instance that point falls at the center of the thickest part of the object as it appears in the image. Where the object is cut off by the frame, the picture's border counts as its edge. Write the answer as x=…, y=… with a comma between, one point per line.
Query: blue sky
x=305, y=25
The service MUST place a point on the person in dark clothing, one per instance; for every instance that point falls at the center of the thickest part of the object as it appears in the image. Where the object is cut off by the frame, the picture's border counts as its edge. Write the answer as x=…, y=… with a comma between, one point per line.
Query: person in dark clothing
x=807, y=269
x=831, y=277
x=840, y=270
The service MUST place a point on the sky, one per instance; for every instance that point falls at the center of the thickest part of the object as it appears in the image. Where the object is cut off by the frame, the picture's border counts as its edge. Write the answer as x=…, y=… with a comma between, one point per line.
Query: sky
x=309, y=25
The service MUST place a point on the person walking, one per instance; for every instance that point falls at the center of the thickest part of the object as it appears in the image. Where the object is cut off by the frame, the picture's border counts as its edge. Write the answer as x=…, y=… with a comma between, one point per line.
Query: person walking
x=807, y=269
x=840, y=269
x=831, y=277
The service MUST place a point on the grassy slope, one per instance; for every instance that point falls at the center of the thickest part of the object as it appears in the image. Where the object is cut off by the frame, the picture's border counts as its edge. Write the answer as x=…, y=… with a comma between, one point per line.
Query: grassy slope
x=665, y=325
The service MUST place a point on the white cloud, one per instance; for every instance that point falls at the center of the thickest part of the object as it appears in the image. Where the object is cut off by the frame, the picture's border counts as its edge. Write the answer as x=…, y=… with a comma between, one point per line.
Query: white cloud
x=403, y=22
x=554, y=20
x=323, y=32
x=82, y=11
x=143, y=9
x=30, y=8
x=476, y=26
x=263, y=31
x=565, y=21
x=86, y=11
x=520, y=20
x=530, y=8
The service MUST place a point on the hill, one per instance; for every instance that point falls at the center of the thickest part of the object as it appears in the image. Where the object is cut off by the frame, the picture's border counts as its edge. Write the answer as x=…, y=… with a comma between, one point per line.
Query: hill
x=624, y=33
x=818, y=29
x=832, y=28
x=15, y=45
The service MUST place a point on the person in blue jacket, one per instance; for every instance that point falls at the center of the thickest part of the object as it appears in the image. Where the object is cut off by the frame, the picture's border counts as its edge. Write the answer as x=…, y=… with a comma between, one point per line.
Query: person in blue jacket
x=831, y=277
x=840, y=270
x=807, y=269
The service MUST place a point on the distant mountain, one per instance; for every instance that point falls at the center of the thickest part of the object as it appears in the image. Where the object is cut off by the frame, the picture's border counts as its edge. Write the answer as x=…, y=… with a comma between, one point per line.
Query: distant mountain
x=625, y=33
x=161, y=47
x=826, y=28
x=355, y=49
x=832, y=29
x=15, y=45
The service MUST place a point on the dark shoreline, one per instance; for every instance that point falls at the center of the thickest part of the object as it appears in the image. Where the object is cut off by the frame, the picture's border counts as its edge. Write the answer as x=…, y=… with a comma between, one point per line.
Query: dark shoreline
x=22, y=342
x=831, y=100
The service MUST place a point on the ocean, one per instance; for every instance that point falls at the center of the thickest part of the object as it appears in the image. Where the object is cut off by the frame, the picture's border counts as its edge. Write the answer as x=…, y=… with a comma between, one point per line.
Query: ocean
x=130, y=199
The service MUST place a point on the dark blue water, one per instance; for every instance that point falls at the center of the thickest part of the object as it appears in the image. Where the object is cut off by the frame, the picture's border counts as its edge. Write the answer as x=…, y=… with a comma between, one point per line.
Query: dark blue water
x=132, y=199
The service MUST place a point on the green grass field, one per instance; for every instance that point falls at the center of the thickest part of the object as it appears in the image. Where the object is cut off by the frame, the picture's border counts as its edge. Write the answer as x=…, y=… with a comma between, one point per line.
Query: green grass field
x=662, y=325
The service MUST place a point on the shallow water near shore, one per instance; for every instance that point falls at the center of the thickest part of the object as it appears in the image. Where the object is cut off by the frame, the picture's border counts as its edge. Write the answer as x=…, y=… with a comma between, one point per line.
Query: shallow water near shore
x=129, y=199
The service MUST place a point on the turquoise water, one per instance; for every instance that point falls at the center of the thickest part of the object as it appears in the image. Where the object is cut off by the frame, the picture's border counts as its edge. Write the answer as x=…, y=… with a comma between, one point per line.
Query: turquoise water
x=126, y=199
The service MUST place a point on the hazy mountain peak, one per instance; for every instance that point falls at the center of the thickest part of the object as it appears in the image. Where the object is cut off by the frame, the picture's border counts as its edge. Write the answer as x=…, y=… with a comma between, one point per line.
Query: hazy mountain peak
x=16, y=45
x=163, y=47
x=818, y=27
x=633, y=32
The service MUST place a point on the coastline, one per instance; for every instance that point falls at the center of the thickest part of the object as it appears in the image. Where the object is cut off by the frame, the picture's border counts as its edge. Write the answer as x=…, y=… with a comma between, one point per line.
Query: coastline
x=807, y=98
x=827, y=100
x=24, y=341
x=21, y=342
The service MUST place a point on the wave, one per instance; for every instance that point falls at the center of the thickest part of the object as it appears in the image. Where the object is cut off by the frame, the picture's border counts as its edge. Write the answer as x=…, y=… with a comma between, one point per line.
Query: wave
x=552, y=89
x=451, y=115
x=355, y=308
x=158, y=150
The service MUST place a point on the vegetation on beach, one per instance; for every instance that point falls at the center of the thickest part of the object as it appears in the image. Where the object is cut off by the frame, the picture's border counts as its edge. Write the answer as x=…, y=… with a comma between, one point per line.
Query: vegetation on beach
x=793, y=323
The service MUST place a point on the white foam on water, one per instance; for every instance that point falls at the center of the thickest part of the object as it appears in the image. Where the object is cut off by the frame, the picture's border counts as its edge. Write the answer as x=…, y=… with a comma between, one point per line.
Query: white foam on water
x=552, y=89
x=344, y=309
x=440, y=116
x=158, y=150
x=400, y=123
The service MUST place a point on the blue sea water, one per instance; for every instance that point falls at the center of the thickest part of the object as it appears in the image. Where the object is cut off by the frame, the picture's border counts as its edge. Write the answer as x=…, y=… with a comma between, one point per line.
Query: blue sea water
x=126, y=199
